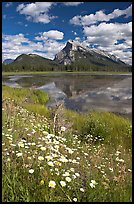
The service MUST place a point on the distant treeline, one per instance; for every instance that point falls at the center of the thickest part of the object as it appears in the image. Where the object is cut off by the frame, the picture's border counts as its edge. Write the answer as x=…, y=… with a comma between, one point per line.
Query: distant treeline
x=60, y=67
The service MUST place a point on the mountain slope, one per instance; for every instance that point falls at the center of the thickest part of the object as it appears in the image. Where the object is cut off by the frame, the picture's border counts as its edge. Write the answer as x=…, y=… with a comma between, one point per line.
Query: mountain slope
x=32, y=62
x=75, y=52
x=33, y=59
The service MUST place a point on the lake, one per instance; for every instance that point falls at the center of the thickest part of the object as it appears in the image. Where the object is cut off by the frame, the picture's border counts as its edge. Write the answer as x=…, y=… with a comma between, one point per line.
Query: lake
x=81, y=92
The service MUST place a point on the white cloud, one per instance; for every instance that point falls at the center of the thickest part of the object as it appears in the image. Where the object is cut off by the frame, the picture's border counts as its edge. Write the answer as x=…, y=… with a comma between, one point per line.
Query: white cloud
x=36, y=12
x=72, y=3
x=52, y=34
x=15, y=45
x=100, y=16
x=108, y=32
x=115, y=38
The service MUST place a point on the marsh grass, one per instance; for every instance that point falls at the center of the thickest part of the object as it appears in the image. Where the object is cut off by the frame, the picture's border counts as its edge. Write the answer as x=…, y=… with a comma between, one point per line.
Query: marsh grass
x=33, y=155
x=96, y=126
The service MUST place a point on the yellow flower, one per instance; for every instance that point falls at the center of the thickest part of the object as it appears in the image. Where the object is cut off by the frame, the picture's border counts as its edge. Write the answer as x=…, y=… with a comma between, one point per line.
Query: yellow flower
x=43, y=148
x=57, y=163
x=52, y=184
x=20, y=144
x=50, y=163
x=41, y=182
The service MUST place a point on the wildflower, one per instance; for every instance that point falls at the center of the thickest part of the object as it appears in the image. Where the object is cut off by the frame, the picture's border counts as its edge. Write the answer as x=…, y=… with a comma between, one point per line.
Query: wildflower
x=63, y=129
x=63, y=159
x=119, y=160
x=20, y=144
x=72, y=169
x=41, y=182
x=45, y=132
x=111, y=169
x=31, y=171
x=82, y=189
x=93, y=183
x=50, y=163
x=66, y=174
x=74, y=161
x=62, y=183
x=43, y=148
x=48, y=157
x=74, y=176
x=19, y=154
x=56, y=147
x=68, y=179
x=52, y=184
x=57, y=163
x=77, y=174
x=40, y=158
x=70, y=151
x=75, y=199
x=8, y=159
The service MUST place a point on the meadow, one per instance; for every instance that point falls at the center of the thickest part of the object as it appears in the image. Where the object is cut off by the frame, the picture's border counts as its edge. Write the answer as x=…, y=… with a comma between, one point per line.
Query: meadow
x=62, y=156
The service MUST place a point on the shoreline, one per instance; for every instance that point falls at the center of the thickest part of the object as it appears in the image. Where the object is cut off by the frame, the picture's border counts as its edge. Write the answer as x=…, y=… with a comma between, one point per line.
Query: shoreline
x=48, y=72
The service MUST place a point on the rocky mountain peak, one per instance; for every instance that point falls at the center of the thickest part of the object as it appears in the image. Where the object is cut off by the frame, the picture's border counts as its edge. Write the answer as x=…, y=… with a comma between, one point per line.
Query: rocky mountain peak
x=68, y=53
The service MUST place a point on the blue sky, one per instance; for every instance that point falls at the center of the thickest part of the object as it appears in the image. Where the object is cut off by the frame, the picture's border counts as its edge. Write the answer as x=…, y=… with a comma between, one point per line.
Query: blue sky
x=44, y=28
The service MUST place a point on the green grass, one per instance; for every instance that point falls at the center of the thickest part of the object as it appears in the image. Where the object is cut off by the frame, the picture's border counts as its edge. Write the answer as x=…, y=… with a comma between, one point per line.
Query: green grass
x=64, y=72
x=28, y=129
x=106, y=126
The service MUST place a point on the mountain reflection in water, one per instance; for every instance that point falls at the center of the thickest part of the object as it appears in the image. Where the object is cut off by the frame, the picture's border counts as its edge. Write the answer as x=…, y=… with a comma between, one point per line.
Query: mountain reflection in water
x=81, y=92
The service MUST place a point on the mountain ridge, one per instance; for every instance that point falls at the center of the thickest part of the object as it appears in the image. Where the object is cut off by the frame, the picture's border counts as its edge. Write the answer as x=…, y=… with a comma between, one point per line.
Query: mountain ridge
x=73, y=57
x=66, y=56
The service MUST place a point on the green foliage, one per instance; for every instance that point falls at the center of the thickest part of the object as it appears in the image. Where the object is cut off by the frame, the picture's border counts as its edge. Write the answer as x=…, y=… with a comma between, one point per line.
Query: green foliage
x=83, y=62
x=26, y=137
x=38, y=108
x=102, y=126
x=33, y=100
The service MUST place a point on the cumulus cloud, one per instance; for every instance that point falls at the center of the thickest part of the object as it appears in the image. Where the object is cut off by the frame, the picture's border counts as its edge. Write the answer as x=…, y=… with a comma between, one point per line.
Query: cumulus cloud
x=107, y=35
x=15, y=45
x=36, y=12
x=53, y=34
x=100, y=16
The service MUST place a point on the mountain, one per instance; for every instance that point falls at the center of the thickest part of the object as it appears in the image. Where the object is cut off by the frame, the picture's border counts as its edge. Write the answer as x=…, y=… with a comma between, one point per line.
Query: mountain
x=75, y=53
x=8, y=61
x=33, y=59
x=73, y=57
x=31, y=62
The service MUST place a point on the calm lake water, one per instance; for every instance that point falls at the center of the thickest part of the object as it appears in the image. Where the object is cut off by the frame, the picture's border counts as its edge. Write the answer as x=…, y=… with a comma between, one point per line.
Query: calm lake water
x=81, y=92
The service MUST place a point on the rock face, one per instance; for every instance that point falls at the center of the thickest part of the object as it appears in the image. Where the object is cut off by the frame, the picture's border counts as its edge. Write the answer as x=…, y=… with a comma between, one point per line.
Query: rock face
x=66, y=55
x=75, y=51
